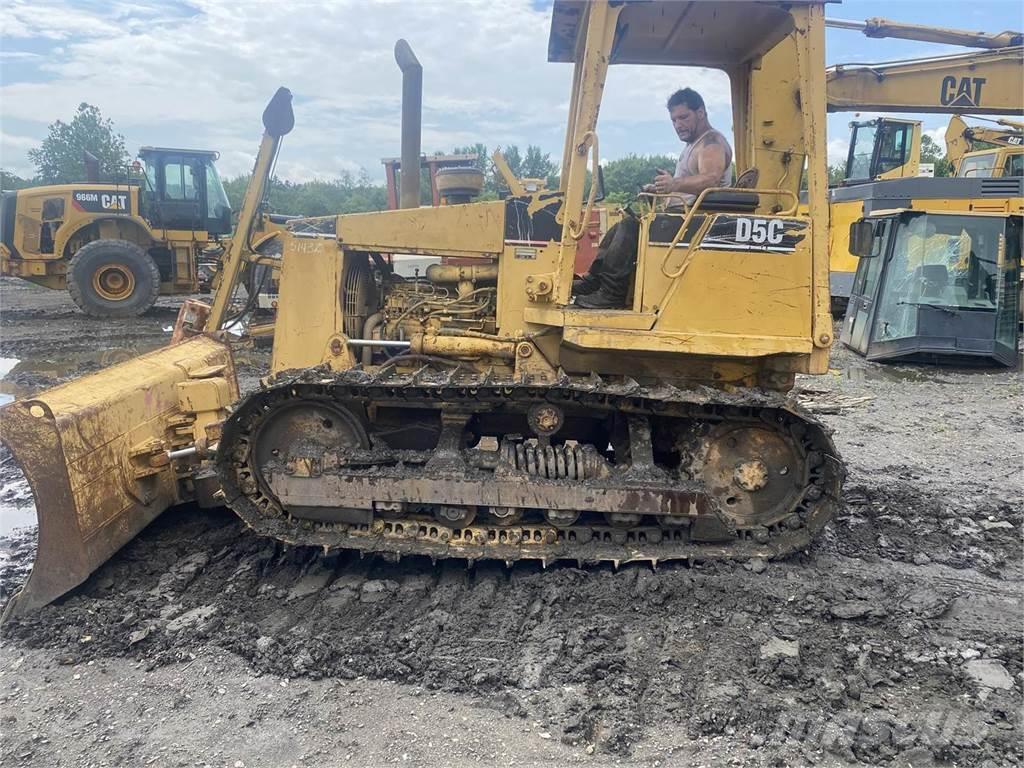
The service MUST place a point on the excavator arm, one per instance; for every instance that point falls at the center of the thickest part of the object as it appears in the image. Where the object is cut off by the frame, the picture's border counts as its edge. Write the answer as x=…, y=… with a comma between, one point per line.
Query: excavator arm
x=962, y=138
x=988, y=81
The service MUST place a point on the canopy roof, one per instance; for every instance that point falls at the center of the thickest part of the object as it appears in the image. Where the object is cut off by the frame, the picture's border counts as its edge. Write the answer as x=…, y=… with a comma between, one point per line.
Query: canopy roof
x=715, y=34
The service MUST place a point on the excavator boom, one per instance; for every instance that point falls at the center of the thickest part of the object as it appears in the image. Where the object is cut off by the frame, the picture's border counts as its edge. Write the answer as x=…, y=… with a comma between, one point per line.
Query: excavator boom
x=984, y=82
x=878, y=28
x=988, y=81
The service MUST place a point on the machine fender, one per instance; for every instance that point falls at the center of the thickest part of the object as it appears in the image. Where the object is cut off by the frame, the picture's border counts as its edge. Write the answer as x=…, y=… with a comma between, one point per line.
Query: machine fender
x=66, y=232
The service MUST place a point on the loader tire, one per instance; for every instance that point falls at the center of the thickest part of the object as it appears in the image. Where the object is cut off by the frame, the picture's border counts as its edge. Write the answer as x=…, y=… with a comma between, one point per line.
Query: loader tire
x=113, y=278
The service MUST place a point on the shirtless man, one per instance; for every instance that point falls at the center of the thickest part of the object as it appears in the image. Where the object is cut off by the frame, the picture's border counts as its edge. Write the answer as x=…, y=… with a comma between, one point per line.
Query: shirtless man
x=706, y=161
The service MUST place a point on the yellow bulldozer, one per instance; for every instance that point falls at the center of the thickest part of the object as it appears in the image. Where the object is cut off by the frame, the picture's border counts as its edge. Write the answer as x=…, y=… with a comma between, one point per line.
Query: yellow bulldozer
x=116, y=247
x=475, y=411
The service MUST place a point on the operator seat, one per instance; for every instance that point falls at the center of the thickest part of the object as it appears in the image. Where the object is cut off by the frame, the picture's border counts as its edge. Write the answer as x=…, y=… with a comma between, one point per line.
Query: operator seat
x=934, y=279
x=735, y=199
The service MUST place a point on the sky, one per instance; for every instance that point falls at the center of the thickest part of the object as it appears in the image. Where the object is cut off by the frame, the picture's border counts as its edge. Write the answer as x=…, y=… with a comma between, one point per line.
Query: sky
x=197, y=73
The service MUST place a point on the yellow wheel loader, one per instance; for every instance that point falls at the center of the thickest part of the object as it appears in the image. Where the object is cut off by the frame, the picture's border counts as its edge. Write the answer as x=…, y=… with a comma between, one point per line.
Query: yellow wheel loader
x=474, y=411
x=117, y=247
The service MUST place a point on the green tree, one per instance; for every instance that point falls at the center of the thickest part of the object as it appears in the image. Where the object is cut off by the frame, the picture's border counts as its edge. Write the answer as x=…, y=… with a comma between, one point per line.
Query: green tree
x=624, y=177
x=537, y=164
x=931, y=152
x=836, y=175
x=59, y=159
x=10, y=180
x=319, y=197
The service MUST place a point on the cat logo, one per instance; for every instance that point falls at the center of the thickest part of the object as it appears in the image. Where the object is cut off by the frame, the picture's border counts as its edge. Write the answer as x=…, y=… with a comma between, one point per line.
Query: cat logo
x=102, y=202
x=114, y=202
x=962, y=93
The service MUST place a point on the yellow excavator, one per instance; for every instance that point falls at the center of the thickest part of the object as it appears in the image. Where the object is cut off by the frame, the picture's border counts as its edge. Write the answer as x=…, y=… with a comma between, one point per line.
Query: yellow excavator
x=475, y=411
x=989, y=81
x=1004, y=155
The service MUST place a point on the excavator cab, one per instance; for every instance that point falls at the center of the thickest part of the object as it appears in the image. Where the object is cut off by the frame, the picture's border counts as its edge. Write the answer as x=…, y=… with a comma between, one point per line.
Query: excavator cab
x=934, y=287
x=883, y=148
x=182, y=190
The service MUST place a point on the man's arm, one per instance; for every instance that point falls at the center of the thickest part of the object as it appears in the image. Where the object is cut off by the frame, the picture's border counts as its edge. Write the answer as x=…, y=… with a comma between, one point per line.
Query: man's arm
x=711, y=165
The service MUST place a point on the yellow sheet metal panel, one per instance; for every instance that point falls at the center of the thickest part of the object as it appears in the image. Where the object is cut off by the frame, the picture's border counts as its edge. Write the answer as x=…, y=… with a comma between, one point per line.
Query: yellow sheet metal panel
x=740, y=293
x=716, y=344
x=472, y=228
x=843, y=215
x=311, y=270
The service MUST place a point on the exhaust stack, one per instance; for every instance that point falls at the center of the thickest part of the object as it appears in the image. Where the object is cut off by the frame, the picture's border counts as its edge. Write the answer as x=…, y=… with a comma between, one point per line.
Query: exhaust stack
x=412, y=113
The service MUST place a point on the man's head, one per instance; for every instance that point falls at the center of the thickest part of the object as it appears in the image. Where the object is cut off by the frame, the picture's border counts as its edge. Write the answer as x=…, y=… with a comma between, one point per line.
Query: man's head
x=688, y=114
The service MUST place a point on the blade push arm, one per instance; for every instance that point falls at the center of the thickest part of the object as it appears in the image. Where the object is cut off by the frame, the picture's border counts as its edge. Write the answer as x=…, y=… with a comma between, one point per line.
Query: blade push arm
x=278, y=121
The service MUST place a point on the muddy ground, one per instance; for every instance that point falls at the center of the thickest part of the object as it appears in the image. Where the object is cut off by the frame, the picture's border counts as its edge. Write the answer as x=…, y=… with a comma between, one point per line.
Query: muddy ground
x=895, y=640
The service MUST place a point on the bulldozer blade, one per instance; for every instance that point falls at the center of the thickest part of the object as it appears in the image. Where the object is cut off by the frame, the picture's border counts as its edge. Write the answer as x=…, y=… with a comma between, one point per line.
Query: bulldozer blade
x=95, y=453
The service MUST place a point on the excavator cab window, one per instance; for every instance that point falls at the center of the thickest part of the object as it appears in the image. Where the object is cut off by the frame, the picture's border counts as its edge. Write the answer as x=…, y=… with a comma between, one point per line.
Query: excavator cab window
x=893, y=146
x=978, y=166
x=1014, y=166
x=877, y=147
x=862, y=151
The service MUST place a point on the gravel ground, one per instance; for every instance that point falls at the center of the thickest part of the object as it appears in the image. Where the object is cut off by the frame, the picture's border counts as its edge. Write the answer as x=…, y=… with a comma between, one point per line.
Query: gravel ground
x=895, y=640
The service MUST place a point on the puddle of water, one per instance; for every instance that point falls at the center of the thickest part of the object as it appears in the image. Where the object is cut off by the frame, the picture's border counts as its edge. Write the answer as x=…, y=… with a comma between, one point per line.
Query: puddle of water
x=19, y=512
x=7, y=364
x=13, y=518
x=69, y=366
x=861, y=375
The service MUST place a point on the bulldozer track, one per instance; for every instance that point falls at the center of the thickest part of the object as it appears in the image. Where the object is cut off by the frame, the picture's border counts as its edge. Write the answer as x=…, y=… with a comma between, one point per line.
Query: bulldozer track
x=418, y=534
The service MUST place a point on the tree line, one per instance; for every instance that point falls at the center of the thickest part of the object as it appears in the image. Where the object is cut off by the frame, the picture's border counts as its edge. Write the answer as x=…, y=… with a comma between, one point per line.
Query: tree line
x=58, y=160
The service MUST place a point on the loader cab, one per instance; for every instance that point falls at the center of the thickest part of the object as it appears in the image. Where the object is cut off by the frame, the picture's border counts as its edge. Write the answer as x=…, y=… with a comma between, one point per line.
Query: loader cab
x=935, y=287
x=885, y=148
x=182, y=190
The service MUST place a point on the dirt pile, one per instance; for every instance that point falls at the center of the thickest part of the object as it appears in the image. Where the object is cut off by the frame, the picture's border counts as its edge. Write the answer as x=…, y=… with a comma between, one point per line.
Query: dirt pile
x=825, y=652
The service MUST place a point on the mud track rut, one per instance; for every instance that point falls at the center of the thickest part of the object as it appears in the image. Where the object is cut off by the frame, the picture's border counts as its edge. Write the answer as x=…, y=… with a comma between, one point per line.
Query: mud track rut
x=896, y=639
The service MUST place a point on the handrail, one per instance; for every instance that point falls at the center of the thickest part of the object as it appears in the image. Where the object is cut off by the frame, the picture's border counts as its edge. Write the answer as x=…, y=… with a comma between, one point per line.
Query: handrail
x=707, y=222
x=590, y=136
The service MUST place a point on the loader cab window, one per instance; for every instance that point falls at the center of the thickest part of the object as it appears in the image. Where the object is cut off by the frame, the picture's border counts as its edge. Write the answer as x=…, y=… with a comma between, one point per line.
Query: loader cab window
x=217, y=205
x=180, y=181
x=951, y=263
x=149, y=174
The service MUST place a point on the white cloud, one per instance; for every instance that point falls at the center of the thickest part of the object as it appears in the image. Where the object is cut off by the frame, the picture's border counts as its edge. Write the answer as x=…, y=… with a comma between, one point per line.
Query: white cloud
x=202, y=79
x=838, y=150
